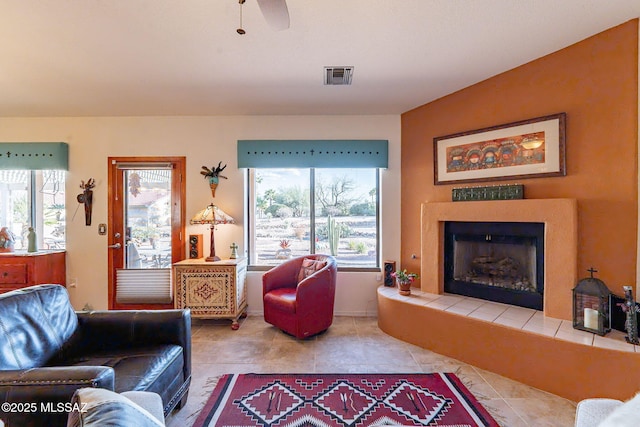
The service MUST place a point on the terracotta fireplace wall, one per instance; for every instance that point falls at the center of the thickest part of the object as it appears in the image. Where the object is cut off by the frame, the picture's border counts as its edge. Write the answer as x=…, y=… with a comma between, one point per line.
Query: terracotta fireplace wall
x=595, y=82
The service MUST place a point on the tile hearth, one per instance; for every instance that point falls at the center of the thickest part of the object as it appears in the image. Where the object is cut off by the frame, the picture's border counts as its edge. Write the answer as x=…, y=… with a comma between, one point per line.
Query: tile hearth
x=515, y=317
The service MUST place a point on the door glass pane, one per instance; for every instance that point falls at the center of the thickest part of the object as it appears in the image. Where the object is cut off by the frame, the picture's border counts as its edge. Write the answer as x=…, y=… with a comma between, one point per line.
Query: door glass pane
x=281, y=215
x=147, y=218
x=345, y=215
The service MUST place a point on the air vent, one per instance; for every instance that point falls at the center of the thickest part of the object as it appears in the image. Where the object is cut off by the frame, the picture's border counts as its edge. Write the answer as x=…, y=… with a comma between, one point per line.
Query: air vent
x=338, y=75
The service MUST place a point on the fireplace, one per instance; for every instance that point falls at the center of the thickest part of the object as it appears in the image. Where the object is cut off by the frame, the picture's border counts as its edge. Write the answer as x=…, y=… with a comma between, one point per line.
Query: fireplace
x=560, y=219
x=496, y=261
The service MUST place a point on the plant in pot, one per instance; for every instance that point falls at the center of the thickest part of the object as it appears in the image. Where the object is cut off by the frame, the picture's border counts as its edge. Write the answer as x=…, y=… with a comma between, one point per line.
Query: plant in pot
x=404, y=281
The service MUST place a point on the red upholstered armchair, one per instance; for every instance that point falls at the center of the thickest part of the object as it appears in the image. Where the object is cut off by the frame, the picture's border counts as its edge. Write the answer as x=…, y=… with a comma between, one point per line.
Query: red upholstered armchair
x=298, y=295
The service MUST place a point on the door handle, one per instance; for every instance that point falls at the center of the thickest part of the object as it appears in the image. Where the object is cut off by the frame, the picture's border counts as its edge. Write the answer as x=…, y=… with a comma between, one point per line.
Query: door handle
x=115, y=246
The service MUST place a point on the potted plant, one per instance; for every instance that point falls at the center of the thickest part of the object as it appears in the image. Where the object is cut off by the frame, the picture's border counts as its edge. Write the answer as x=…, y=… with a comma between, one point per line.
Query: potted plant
x=404, y=281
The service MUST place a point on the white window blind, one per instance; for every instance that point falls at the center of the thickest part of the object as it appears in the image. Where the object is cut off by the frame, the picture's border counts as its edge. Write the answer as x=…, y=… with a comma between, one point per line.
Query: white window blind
x=149, y=285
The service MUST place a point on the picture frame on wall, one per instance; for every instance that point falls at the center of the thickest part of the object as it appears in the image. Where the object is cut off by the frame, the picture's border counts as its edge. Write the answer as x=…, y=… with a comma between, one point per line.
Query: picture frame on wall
x=530, y=148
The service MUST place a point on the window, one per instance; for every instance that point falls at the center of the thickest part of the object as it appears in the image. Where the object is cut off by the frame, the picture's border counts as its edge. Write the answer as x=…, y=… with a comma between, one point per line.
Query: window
x=299, y=211
x=34, y=198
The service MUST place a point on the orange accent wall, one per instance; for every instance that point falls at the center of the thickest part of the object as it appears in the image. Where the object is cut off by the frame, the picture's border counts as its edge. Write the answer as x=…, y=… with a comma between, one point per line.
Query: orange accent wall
x=595, y=82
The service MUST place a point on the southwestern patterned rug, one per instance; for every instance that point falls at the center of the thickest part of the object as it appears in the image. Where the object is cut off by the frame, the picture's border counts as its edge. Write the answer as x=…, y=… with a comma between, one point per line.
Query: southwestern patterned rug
x=438, y=399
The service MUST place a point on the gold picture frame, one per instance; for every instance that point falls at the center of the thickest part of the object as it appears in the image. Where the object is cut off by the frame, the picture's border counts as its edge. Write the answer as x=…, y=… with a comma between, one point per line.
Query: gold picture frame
x=526, y=149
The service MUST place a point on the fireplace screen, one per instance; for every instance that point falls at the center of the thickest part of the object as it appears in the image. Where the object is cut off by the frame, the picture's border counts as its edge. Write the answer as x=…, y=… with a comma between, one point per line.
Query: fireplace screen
x=500, y=262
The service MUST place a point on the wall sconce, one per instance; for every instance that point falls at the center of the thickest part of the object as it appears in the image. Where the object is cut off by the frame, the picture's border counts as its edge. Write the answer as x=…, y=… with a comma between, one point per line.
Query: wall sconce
x=86, y=197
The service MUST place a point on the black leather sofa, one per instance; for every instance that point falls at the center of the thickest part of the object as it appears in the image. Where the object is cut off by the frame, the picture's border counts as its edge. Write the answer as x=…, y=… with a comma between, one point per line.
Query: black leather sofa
x=48, y=350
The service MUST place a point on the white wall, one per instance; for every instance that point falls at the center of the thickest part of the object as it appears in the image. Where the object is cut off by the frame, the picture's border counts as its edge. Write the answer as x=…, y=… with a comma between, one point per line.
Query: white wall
x=204, y=141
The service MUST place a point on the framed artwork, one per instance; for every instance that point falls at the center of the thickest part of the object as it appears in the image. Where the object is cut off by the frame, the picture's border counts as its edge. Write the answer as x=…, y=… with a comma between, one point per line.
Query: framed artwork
x=526, y=149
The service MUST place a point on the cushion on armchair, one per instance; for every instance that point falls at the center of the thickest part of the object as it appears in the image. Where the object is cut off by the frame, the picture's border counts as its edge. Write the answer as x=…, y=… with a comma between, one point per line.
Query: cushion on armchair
x=308, y=267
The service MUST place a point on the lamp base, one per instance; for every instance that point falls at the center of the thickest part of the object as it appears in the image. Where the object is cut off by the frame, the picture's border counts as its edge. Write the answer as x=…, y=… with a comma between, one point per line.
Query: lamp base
x=212, y=258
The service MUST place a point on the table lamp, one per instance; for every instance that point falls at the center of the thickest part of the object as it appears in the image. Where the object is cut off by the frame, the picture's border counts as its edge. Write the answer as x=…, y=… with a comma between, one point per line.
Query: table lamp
x=213, y=216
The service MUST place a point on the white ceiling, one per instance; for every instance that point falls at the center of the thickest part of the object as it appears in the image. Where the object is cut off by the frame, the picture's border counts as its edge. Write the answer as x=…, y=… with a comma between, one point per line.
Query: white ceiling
x=184, y=57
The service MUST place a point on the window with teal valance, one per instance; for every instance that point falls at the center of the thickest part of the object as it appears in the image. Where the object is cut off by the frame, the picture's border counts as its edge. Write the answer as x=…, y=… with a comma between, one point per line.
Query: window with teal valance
x=34, y=155
x=350, y=153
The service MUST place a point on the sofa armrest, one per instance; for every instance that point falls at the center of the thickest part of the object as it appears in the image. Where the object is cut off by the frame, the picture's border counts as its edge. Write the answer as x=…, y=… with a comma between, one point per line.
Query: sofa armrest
x=109, y=330
x=54, y=380
x=40, y=396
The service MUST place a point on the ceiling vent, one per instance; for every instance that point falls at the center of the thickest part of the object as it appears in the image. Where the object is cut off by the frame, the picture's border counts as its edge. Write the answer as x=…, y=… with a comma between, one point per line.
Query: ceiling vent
x=338, y=75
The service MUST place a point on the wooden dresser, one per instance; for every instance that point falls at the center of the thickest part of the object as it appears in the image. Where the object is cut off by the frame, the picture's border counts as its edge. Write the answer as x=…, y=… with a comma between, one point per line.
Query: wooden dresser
x=22, y=269
x=212, y=290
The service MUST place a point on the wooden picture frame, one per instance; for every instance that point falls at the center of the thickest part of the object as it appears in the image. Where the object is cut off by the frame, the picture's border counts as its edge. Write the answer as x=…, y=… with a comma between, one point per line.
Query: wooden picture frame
x=531, y=148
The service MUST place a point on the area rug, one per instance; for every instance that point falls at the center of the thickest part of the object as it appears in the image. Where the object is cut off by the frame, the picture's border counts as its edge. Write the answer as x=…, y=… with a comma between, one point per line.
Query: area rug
x=438, y=399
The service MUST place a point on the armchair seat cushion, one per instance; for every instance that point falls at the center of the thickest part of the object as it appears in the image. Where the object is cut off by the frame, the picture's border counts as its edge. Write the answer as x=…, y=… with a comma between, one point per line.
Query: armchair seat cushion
x=283, y=299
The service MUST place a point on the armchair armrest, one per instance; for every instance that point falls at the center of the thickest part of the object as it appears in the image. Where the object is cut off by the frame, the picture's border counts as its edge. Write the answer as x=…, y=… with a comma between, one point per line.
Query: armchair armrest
x=40, y=394
x=317, y=291
x=108, y=330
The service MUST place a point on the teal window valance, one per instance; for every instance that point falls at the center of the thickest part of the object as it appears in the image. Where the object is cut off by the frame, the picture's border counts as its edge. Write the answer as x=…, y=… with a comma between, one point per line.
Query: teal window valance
x=34, y=155
x=316, y=153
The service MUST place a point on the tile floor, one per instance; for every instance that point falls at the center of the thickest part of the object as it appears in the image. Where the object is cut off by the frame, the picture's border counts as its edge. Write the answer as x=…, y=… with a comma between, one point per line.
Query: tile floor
x=352, y=344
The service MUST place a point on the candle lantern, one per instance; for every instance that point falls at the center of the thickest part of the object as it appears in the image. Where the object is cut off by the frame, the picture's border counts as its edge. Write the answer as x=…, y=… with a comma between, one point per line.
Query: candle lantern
x=591, y=305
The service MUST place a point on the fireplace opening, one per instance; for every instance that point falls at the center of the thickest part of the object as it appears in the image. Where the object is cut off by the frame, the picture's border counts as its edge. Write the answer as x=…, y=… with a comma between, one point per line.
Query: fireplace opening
x=496, y=261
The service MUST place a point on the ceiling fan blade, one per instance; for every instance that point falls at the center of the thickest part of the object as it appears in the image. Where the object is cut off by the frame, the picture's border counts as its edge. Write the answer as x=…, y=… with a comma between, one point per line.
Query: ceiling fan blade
x=275, y=12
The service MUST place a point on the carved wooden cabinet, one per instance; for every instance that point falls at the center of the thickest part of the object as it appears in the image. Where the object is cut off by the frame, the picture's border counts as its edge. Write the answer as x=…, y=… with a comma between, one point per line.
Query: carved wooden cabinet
x=212, y=290
x=22, y=269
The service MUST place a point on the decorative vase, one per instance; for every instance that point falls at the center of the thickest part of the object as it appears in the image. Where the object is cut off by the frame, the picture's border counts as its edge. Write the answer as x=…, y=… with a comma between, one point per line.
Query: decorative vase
x=404, y=288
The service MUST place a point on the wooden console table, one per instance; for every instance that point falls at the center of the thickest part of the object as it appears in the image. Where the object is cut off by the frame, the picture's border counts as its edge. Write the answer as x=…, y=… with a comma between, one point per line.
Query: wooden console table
x=212, y=290
x=22, y=269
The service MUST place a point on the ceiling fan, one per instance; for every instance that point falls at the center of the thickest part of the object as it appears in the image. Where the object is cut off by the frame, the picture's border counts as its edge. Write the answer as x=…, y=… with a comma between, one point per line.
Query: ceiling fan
x=275, y=12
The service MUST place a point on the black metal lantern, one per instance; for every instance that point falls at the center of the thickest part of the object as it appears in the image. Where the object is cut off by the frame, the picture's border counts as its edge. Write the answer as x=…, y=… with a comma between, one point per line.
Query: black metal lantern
x=591, y=305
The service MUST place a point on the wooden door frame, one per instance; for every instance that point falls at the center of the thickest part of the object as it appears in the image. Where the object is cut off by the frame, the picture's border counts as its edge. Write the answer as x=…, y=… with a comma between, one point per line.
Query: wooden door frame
x=178, y=221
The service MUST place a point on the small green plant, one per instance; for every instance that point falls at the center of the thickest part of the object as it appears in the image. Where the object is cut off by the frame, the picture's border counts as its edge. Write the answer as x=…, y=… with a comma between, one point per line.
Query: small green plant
x=359, y=247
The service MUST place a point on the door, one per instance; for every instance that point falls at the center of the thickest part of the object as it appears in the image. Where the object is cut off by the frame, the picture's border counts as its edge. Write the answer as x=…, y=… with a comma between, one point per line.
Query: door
x=145, y=230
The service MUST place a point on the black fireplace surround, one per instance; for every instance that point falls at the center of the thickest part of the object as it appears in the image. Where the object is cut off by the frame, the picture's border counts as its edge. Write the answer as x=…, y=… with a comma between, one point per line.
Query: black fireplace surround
x=495, y=261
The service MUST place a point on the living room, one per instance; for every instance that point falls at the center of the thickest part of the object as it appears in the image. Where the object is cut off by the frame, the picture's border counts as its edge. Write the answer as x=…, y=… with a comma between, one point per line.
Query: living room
x=595, y=82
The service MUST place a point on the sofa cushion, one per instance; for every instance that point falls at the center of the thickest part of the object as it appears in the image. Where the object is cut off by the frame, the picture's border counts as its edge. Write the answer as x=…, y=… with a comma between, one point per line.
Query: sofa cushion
x=157, y=369
x=36, y=322
x=104, y=408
